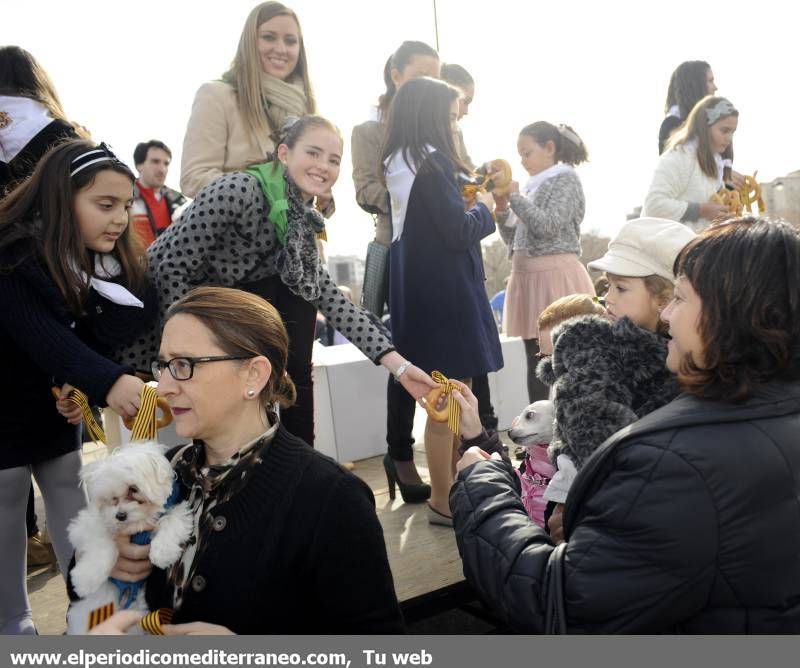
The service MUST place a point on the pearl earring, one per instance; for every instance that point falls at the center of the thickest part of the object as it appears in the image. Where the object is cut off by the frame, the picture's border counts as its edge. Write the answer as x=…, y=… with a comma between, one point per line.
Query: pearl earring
x=251, y=393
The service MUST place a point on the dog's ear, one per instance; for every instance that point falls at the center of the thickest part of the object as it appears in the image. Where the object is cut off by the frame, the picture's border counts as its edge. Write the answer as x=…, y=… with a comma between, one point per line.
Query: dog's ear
x=88, y=475
x=154, y=477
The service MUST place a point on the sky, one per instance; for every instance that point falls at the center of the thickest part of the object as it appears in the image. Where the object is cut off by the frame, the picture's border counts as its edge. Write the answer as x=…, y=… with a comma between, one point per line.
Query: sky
x=129, y=72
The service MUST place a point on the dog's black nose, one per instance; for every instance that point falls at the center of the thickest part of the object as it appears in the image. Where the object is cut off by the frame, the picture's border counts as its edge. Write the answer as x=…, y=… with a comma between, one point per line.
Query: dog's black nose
x=121, y=516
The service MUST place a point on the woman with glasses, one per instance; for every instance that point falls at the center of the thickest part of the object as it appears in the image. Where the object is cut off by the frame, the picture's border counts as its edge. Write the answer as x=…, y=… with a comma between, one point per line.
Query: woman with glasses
x=284, y=540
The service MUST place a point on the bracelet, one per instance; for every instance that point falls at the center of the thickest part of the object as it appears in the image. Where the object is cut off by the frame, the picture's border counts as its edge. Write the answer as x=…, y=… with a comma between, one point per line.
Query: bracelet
x=402, y=369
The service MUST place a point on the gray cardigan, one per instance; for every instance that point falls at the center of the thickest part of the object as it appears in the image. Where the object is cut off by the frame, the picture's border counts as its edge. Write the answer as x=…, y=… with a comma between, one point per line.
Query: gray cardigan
x=225, y=239
x=549, y=223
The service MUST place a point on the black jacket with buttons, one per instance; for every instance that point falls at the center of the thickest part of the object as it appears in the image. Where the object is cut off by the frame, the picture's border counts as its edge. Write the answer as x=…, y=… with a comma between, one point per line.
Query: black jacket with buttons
x=686, y=521
x=298, y=549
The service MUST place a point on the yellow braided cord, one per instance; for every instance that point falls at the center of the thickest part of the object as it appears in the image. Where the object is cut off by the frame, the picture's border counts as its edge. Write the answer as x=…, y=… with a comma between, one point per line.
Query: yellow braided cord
x=144, y=424
x=152, y=621
x=453, y=407
x=99, y=615
x=78, y=398
x=322, y=235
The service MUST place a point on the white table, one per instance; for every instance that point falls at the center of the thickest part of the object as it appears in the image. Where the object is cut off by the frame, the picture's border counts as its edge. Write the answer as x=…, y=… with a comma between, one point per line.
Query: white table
x=350, y=398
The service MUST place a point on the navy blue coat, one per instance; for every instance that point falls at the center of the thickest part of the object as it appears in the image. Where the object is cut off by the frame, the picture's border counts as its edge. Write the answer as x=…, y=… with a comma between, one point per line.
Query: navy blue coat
x=441, y=318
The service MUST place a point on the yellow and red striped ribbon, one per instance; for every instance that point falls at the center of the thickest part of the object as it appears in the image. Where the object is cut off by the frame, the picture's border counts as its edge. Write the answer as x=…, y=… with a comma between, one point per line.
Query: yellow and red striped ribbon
x=453, y=407
x=99, y=615
x=144, y=426
x=152, y=621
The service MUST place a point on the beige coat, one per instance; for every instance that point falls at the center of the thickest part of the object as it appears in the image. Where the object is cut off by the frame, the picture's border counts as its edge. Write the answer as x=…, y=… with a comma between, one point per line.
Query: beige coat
x=678, y=187
x=217, y=139
x=371, y=194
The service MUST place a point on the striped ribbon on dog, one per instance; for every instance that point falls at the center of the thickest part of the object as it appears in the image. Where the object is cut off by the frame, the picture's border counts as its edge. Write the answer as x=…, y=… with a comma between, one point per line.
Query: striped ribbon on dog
x=99, y=615
x=151, y=622
x=143, y=427
x=453, y=407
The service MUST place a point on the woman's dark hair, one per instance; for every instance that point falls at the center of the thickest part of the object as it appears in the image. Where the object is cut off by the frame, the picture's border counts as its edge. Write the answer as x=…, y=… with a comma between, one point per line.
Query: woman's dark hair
x=687, y=86
x=420, y=117
x=40, y=212
x=398, y=61
x=456, y=75
x=244, y=325
x=747, y=274
x=569, y=146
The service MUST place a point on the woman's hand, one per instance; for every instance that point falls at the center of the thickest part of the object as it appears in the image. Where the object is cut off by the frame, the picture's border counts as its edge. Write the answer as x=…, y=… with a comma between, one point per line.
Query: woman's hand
x=556, y=524
x=712, y=211
x=133, y=563
x=118, y=624
x=471, y=426
x=415, y=381
x=69, y=410
x=196, y=629
x=474, y=455
x=737, y=180
x=125, y=395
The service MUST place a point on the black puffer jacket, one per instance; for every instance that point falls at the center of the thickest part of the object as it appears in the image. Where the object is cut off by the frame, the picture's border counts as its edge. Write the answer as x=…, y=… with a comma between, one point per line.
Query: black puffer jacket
x=687, y=521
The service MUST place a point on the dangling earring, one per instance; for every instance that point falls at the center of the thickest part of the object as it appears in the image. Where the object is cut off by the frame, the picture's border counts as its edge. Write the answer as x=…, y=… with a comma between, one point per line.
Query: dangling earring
x=251, y=393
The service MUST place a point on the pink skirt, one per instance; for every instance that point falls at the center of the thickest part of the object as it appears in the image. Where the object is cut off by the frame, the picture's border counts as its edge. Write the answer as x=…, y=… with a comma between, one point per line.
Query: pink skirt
x=535, y=283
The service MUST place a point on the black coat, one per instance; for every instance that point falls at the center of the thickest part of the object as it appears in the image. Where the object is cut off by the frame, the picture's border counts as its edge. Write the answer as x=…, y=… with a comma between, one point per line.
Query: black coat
x=298, y=549
x=44, y=345
x=686, y=521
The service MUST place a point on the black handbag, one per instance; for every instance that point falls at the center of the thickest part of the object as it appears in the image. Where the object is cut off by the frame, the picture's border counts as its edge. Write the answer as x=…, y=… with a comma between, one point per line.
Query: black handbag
x=555, y=620
x=376, y=278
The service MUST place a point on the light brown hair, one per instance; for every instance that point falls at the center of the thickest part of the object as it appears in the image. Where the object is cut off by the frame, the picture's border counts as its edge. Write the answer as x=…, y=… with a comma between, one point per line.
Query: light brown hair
x=245, y=70
x=697, y=127
x=244, y=325
x=659, y=287
x=568, y=307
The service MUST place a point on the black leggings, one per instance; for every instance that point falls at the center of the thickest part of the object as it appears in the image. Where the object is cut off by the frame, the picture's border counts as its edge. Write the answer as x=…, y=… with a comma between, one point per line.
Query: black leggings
x=537, y=390
x=300, y=319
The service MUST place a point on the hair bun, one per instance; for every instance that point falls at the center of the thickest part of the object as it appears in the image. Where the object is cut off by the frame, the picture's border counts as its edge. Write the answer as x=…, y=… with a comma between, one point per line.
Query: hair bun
x=285, y=391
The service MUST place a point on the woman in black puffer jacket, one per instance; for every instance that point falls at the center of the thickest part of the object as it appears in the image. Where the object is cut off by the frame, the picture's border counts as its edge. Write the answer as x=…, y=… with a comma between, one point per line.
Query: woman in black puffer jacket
x=687, y=520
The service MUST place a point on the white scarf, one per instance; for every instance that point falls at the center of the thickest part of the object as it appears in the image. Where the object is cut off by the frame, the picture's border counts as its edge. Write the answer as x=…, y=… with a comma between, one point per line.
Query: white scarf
x=533, y=183
x=26, y=118
x=106, y=266
x=399, y=180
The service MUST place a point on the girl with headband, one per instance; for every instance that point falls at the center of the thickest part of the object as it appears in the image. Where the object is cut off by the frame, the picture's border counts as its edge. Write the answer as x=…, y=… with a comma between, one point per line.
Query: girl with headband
x=695, y=165
x=72, y=286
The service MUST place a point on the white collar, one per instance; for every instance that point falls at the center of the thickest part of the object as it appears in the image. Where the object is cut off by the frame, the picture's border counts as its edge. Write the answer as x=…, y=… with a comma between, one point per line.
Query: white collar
x=675, y=111
x=27, y=119
x=533, y=183
x=107, y=266
x=399, y=180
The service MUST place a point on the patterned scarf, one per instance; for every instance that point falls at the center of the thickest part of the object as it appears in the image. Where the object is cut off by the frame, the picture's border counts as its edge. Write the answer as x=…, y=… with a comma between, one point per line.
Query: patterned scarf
x=297, y=260
x=209, y=486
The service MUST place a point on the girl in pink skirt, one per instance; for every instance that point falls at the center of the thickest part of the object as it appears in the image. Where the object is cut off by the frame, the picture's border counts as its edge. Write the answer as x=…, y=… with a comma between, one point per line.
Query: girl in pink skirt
x=541, y=222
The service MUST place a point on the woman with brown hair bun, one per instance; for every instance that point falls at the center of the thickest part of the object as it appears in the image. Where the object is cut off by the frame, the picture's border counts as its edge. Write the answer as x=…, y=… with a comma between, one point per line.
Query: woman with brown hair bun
x=685, y=521
x=284, y=540
x=235, y=120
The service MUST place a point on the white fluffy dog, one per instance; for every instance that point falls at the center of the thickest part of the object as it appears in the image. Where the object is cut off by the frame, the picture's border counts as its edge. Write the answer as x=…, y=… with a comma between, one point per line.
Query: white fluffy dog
x=127, y=491
x=534, y=426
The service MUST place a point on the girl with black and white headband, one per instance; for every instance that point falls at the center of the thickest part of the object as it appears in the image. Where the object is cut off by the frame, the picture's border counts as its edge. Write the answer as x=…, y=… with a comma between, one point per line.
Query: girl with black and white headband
x=72, y=286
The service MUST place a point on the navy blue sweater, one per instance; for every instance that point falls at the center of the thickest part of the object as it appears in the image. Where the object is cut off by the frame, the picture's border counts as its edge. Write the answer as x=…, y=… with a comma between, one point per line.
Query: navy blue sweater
x=45, y=345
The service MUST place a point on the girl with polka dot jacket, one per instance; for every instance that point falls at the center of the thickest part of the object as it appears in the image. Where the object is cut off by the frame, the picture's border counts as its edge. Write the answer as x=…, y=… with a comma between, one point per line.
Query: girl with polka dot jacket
x=256, y=231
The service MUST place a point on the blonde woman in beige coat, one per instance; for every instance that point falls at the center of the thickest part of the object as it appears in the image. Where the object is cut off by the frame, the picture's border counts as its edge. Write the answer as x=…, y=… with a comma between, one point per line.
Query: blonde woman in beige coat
x=234, y=120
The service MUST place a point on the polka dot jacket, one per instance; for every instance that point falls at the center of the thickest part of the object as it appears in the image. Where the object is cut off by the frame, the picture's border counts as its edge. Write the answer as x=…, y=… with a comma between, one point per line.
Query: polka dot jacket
x=224, y=238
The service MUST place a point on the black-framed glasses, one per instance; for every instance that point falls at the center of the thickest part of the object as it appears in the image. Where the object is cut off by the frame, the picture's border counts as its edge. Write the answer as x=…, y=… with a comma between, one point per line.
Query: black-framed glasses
x=182, y=368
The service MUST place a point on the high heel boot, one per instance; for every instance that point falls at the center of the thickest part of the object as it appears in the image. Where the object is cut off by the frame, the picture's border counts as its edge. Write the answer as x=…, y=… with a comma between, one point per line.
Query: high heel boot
x=411, y=493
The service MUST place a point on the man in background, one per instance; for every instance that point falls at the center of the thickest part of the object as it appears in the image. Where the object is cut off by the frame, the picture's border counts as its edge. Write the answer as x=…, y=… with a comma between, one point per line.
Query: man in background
x=154, y=205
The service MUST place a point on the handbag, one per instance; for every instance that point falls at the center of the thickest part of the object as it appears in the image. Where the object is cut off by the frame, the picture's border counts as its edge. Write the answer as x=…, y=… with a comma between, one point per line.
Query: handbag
x=376, y=278
x=555, y=619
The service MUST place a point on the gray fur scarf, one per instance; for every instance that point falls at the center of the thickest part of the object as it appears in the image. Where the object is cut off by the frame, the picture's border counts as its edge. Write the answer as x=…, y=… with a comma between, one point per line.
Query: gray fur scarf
x=606, y=375
x=298, y=260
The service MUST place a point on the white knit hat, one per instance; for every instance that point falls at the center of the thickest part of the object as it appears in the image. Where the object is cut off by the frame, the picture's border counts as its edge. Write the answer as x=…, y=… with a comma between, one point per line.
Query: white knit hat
x=644, y=247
